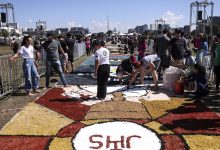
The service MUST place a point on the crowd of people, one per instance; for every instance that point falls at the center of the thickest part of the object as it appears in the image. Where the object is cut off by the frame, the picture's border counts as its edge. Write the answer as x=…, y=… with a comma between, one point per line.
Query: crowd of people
x=148, y=55
x=156, y=54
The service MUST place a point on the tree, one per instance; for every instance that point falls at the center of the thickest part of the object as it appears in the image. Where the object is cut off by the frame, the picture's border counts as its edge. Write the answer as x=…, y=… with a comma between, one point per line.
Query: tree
x=146, y=33
x=216, y=28
x=5, y=34
x=109, y=32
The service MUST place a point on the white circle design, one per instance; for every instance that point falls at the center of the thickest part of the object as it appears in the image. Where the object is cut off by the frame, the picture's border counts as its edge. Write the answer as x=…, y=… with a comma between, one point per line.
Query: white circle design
x=116, y=136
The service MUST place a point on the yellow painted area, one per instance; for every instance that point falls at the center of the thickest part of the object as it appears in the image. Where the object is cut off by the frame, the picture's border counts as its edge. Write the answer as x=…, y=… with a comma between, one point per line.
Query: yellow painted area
x=159, y=108
x=35, y=119
x=202, y=142
x=158, y=128
x=90, y=122
x=61, y=144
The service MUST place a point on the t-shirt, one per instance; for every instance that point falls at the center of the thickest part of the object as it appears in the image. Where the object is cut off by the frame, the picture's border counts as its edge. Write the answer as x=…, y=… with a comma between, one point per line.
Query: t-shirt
x=51, y=48
x=217, y=55
x=149, y=58
x=179, y=47
x=87, y=44
x=163, y=44
x=142, y=47
x=205, y=48
x=70, y=43
x=102, y=55
x=127, y=65
x=64, y=46
x=27, y=52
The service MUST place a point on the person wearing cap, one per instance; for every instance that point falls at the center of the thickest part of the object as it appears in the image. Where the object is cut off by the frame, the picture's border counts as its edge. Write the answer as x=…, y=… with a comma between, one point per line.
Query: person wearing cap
x=102, y=68
x=52, y=48
x=148, y=64
x=126, y=67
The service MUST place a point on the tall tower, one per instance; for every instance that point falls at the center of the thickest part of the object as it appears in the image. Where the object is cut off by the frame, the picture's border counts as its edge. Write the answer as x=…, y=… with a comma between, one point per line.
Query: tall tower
x=107, y=24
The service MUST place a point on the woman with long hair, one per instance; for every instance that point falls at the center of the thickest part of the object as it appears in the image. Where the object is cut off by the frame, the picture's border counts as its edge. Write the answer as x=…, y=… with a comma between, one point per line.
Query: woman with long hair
x=29, y=67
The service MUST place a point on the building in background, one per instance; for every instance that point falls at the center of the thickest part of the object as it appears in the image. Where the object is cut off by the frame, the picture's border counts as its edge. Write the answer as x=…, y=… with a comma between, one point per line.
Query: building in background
x=141, y=29
x=79, y=30
x=62, y=31
x=131, y=30
x=186, y=29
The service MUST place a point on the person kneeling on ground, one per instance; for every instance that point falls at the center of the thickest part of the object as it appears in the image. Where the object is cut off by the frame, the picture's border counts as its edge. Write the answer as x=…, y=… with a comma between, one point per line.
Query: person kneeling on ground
x=148, y=64
x=198, y=75
x=126, y=68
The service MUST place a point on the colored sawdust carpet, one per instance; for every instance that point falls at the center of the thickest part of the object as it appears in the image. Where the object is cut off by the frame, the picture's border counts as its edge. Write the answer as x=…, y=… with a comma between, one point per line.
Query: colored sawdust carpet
x=57, y=121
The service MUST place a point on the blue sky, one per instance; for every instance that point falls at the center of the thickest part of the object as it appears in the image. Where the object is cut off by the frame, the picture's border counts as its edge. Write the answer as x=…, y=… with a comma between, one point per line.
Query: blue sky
x=123, y=14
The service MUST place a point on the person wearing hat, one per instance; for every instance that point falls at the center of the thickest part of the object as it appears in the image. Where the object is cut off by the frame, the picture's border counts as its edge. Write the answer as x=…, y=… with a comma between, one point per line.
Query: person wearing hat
x=52, y=48
x=148, y=64
x=126, y=67
x=102, y=68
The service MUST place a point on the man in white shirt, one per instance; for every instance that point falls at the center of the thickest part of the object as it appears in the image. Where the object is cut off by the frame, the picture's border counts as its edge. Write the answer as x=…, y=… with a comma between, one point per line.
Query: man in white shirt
x=102, y=68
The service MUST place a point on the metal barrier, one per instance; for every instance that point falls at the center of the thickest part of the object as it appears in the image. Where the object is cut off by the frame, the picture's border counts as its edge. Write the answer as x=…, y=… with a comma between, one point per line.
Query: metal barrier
x=79, y=50
x=11, y=73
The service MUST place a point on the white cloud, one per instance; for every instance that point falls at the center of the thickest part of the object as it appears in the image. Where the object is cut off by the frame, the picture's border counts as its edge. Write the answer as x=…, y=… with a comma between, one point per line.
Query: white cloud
x=171, y=18
x=98, y=26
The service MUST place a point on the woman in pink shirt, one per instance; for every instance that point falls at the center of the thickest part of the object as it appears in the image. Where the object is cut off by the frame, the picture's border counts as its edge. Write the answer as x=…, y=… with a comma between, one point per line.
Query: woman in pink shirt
x=88, y=50
x=142, y=47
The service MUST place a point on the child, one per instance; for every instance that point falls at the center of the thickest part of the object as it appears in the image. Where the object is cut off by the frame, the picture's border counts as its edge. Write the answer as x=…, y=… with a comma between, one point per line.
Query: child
x=198, y=75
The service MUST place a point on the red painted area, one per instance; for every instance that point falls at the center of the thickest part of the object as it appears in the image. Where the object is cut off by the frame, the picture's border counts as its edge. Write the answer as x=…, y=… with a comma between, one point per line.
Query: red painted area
x=23, y=143
x=63, y=105
x=71, y=130
x=192, y=118
x=172, y=142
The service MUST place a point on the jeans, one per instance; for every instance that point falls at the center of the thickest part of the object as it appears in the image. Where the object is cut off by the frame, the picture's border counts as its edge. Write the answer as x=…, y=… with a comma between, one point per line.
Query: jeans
x=30, y=74
x=57, y=66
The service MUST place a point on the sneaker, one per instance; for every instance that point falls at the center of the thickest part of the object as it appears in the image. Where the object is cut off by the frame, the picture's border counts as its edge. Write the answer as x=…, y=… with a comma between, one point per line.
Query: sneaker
x=96, y=98
x=36, y=91
x=45, y=88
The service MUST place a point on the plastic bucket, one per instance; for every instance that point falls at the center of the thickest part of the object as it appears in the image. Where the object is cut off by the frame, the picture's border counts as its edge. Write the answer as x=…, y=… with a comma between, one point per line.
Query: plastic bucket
x=179, y=88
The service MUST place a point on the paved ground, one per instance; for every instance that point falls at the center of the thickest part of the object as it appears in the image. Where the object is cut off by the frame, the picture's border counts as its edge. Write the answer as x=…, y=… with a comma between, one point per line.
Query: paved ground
x=137, y=119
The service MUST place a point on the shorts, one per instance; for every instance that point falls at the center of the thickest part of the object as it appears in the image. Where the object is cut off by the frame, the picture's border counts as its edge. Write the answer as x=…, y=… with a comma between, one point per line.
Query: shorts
x=70, y=58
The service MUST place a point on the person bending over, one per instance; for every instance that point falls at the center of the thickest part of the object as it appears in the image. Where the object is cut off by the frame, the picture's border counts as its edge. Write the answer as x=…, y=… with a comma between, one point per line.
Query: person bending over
x=148, y=64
